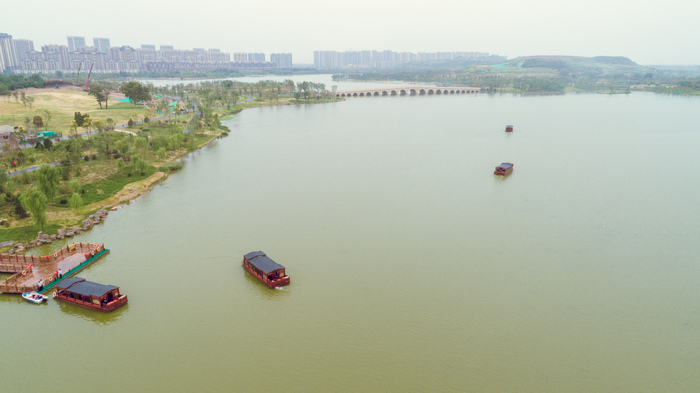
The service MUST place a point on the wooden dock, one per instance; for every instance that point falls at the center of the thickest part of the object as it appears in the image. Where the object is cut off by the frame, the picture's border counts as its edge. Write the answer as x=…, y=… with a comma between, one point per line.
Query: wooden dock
x=29, y=270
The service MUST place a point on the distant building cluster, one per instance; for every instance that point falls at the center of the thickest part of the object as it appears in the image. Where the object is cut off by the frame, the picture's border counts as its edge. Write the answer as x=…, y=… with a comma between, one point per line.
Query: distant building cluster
x=20, y=55
x=383, y=59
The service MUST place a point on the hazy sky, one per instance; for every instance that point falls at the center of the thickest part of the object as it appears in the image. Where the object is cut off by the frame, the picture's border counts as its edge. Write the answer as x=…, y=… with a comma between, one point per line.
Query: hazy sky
x=648, y=32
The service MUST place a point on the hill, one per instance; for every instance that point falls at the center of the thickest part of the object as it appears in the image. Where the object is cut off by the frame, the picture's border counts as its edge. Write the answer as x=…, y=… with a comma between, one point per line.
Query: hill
x=571, y=65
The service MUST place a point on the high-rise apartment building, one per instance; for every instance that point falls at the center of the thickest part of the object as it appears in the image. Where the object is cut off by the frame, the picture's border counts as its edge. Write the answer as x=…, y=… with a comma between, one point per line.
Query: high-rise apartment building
x=282, y=60
x=385, y=58
x=75, y=43
x=58, y=54
x=102, y=44
x=8, y=55
x=22, y=47
x=256, y=57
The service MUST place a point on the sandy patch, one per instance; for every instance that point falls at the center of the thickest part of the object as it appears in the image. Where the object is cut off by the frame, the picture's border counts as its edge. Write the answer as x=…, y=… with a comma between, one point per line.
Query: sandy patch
x=130, y=191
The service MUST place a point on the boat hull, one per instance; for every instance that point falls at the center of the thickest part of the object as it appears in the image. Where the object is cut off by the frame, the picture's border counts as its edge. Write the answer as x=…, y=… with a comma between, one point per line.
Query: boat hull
x=503, y=173
x=108, y=307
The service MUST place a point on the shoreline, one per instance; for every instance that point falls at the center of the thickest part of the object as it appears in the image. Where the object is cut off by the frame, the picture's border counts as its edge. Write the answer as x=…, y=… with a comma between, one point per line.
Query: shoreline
x=132, y=191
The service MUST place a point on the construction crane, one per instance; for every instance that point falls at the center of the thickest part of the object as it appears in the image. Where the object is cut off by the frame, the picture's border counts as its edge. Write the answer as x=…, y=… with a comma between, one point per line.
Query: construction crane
x=88, y=78
x=78, y=74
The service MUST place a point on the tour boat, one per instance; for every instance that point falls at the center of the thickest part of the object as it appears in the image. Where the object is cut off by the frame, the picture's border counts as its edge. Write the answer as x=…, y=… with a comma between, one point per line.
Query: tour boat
x=265, y=269
x=35, y=297
x=504, y=169
x=90, y=294
x=509, y=128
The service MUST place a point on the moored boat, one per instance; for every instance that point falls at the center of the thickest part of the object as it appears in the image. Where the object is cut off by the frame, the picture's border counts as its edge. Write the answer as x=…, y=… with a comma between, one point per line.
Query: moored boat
x=89, y=294
x=509, y=128
x=504, y=169
x=265, y=269
x=35, y=297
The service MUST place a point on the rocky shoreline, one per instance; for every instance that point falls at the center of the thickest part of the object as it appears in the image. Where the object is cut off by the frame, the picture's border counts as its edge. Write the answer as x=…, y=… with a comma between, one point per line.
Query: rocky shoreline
x=44, y=238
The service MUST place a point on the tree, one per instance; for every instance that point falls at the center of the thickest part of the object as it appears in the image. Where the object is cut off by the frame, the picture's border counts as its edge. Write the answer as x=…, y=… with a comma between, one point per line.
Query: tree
x=24, y=98
x=110, y=123
x=98, y=125
x=76, y=202
x=162, y=106
x=141, y=166
x=73, y=126
x=75, y=186
x=47, y=177
x=35, y=202
x=38, y=122
x=3, y=180
x=47, y=118
x=87, y=123
x=140, y=143
x=120, y=165
x=136, y=92
x=79, y=118
x=97, y=92
x=47, y=143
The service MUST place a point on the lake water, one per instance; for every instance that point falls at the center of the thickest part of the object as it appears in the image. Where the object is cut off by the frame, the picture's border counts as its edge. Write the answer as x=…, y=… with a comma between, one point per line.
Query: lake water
x=413, y=268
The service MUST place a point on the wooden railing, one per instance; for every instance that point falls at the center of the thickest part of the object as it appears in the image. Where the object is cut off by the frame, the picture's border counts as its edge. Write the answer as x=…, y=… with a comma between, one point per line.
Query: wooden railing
x=16, y=263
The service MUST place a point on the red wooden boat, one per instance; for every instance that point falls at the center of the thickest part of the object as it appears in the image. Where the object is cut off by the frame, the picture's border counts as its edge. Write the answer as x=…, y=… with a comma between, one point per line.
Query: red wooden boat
x=509, y=128
x=265, y=269
x=90, y=294
x=504, y=169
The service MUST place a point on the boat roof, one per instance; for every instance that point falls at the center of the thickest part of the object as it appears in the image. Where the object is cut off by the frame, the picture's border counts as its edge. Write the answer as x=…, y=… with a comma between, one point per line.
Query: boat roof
x=262, y=261
x=505, y=165
x=86, y=288
x=253, y=254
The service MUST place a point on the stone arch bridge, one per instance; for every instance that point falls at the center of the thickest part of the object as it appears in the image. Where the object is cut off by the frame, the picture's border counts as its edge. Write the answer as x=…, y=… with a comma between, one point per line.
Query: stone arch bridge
x=407, y=90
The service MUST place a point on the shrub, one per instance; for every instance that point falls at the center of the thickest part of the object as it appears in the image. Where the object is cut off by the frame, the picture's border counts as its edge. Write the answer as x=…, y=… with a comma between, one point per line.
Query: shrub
x=19, y=210
x=63, y=201
x=171, y=167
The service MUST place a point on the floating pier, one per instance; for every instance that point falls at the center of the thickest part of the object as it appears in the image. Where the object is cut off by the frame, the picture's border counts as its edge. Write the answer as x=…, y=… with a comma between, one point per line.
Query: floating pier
x=30, y=269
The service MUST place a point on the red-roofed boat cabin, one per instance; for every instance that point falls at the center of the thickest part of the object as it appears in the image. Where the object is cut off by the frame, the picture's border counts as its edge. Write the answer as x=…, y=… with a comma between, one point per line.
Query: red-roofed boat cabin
x=265, y=269
x=90, y=294
x=504, y=169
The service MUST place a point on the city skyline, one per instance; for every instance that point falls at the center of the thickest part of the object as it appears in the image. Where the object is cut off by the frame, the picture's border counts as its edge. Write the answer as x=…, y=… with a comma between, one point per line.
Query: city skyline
x=19, y=56
x=648, y=32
